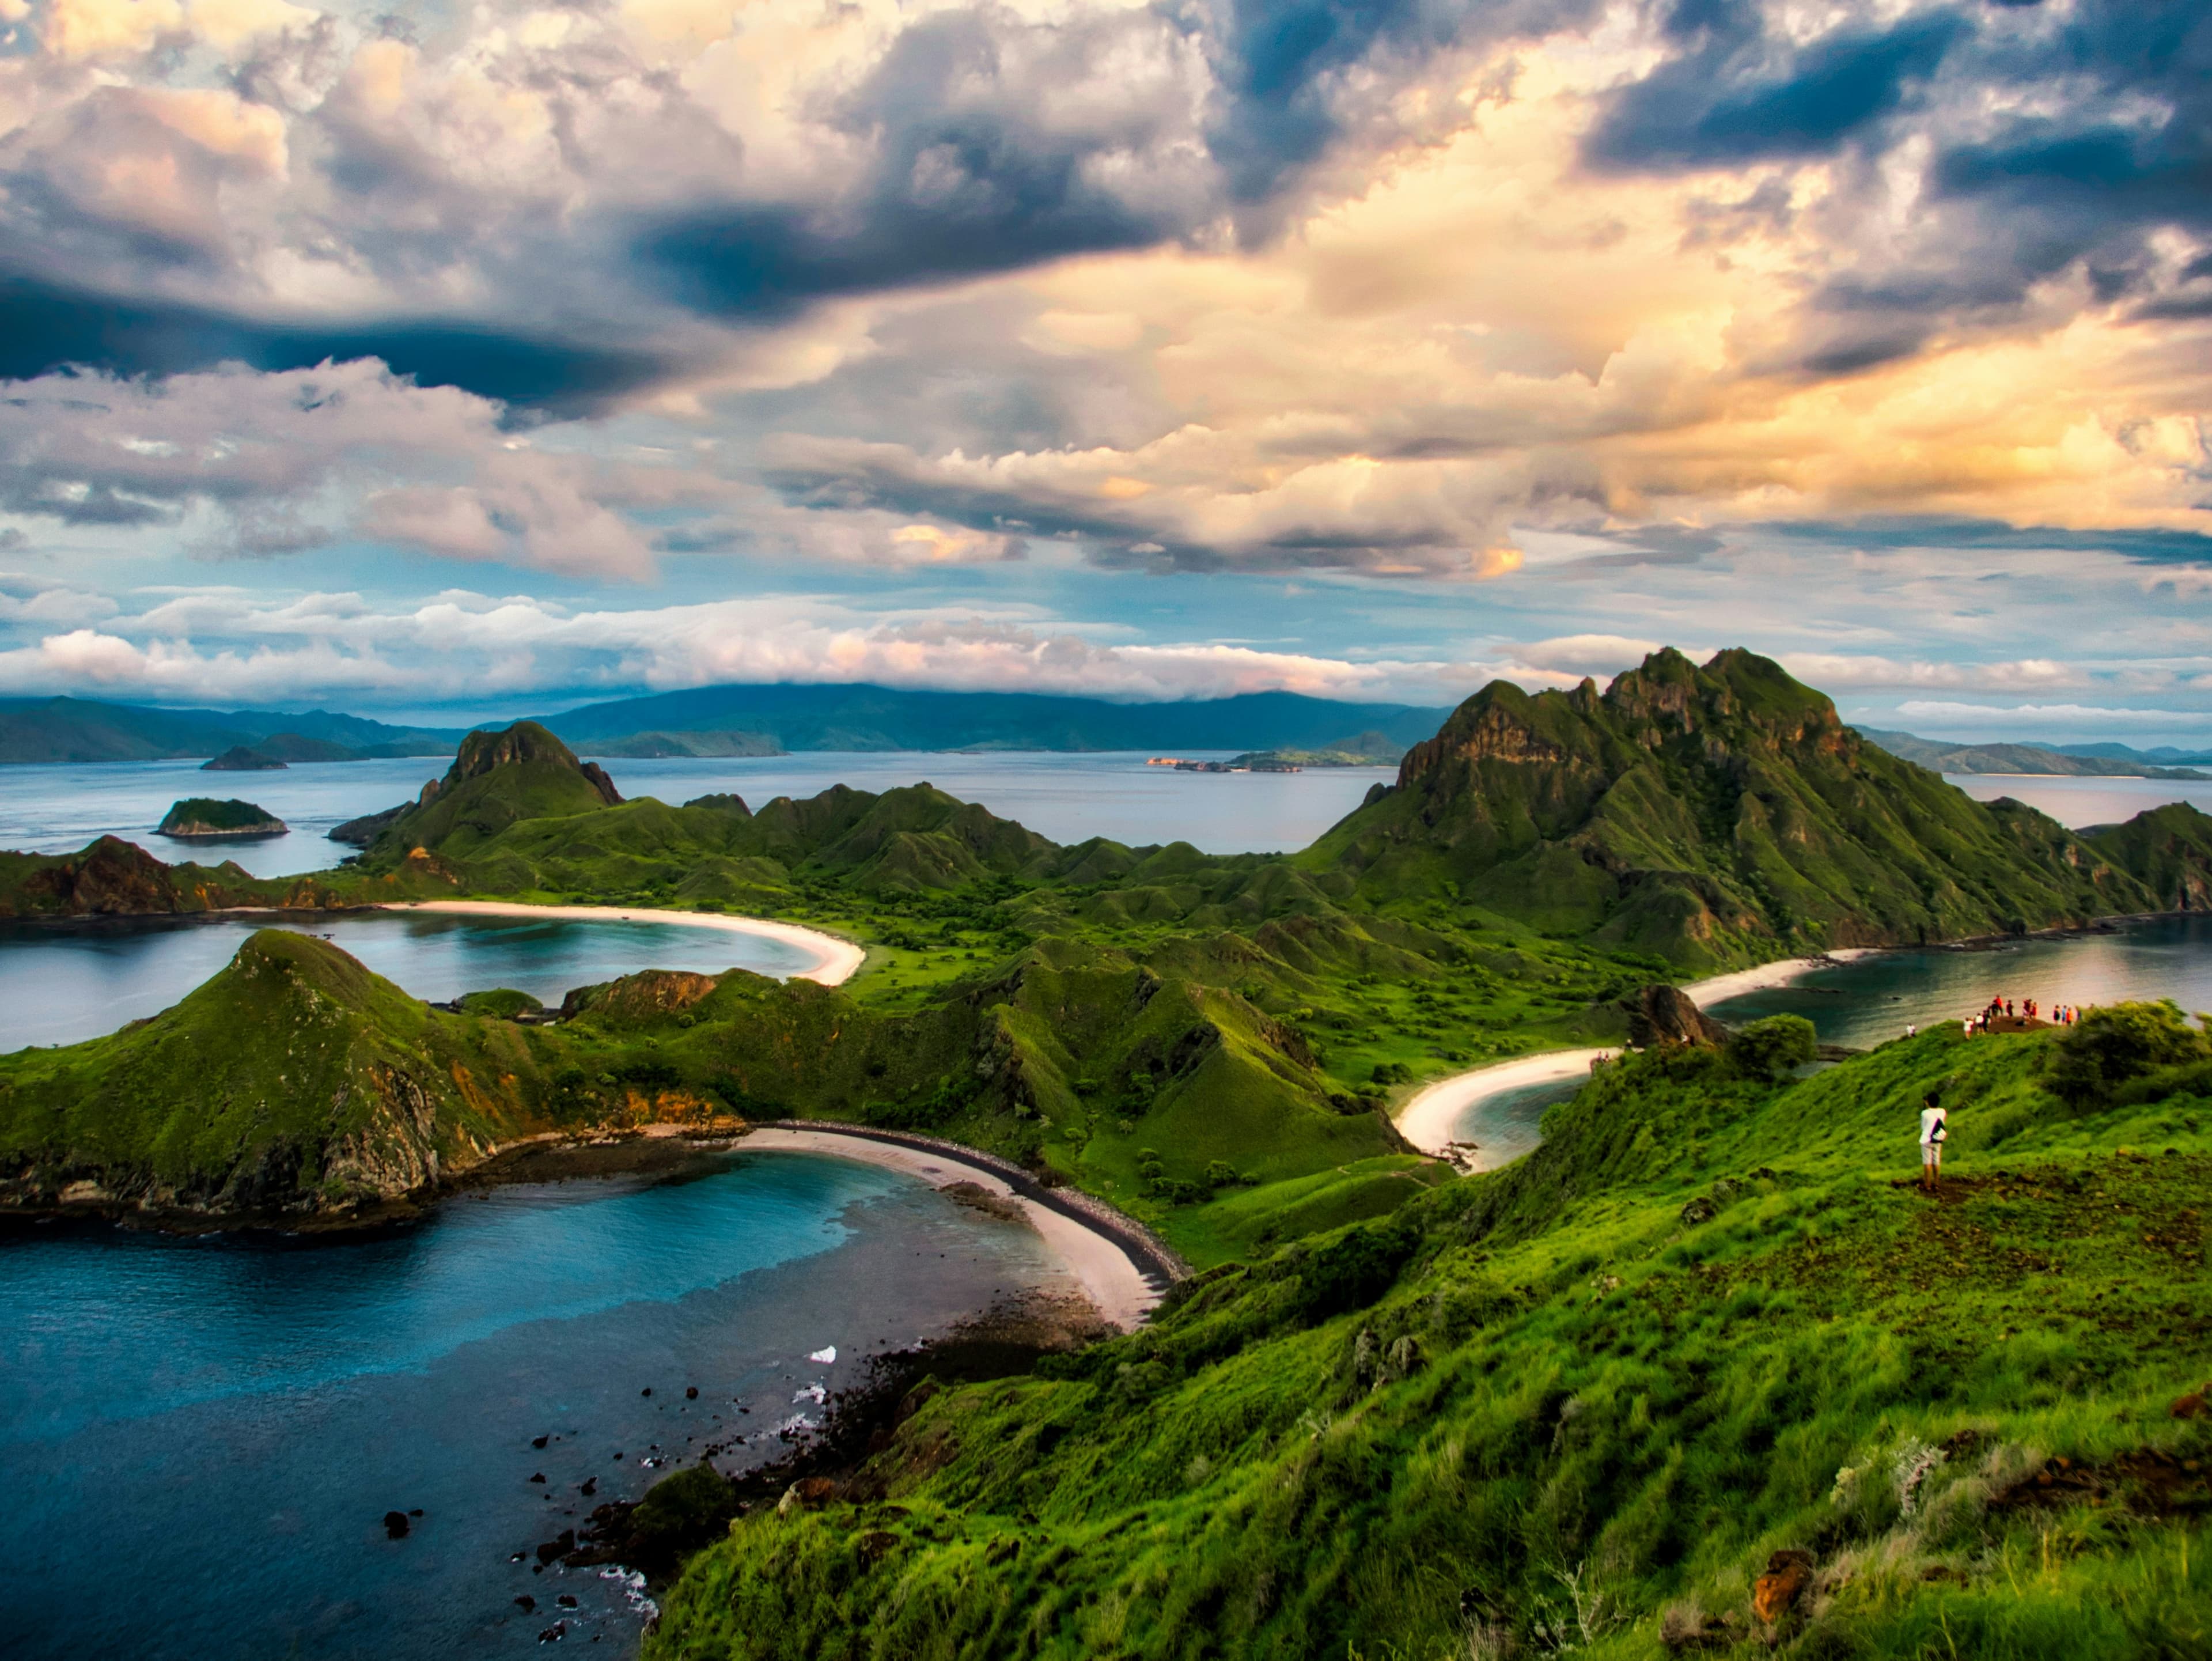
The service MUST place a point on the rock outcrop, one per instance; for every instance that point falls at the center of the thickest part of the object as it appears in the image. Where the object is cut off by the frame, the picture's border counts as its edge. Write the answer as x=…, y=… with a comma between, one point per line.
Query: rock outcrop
x=1661, y=1014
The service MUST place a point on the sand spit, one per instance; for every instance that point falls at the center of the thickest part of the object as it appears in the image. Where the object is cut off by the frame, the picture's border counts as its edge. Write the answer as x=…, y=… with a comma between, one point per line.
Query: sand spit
x=835, y=960
x=1427, y=1118
x=1121, y=1290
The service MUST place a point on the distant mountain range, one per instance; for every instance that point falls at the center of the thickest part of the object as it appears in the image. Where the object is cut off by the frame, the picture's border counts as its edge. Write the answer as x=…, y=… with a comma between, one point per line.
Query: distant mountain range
x=762, y=719
x=85, y=729
x=2081, y=760
x=773, y=720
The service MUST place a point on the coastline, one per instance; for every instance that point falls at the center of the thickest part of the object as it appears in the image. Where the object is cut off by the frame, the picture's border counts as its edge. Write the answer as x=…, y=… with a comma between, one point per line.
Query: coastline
x=1427, y=1118
x=1429, y=1114
x=1123, y=1289
x=836, y=960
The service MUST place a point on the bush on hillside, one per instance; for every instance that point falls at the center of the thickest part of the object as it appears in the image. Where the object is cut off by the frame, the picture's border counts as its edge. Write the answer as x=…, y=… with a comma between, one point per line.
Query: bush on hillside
x=1767, y=1050
x=1351, y=1272
x=2109, y=1047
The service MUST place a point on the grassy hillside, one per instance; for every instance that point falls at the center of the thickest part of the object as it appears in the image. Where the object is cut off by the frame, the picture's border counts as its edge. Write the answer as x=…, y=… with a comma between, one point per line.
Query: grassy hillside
x=1709, y=815
x=1580, y=1405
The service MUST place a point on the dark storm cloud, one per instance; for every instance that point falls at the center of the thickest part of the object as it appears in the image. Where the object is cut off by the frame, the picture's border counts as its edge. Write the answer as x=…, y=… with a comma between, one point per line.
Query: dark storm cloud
x=1285, y=71
x=45, y=327
x=2060, y=142
x=2149, y=546
x=1738, y=94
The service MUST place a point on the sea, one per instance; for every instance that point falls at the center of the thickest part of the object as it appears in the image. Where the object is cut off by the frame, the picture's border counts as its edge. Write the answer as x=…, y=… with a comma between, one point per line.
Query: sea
x=202, y=1436
x=1067, y=797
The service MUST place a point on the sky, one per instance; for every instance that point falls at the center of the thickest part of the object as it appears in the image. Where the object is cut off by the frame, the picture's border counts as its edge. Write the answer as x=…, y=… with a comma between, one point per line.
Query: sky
x=470, y=360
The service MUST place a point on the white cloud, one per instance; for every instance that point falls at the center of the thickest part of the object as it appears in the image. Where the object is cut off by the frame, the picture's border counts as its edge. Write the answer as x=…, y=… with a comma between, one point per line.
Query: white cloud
x=462, y=645
x=2045, y=718
x=2026, y=674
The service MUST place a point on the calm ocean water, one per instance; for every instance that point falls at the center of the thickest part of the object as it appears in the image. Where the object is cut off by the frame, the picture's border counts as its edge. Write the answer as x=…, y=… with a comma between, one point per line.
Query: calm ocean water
x=201, y=1438
x=56, y=810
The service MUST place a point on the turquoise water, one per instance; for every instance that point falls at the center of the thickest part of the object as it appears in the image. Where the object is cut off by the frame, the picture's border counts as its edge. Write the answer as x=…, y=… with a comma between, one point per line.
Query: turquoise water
x=202, y=1436
x=62, y=982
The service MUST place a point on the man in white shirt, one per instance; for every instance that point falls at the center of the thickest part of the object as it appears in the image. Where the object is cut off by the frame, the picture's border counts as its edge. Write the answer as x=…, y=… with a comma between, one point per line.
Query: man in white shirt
x=1934, y=1130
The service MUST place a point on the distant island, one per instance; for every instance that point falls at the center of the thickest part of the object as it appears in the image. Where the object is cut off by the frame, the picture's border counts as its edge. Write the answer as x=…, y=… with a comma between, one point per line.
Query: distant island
x=1367, y=750
x=203, y=818
x=239, y=759
x=2038, y=760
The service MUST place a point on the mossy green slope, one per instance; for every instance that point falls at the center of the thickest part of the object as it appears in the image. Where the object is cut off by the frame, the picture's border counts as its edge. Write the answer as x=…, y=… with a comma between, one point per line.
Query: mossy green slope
x=1574, y=1405
x=2169, y=848
x=294, y=1079
x=1710, y=815
x=497, y=779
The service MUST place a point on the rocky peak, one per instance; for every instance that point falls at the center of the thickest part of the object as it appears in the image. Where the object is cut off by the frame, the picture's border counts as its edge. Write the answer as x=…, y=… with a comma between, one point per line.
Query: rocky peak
x=481, y=752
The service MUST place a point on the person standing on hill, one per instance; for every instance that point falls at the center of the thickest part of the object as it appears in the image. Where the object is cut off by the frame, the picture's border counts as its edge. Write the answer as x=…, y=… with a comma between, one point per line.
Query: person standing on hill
x=1934, y=1130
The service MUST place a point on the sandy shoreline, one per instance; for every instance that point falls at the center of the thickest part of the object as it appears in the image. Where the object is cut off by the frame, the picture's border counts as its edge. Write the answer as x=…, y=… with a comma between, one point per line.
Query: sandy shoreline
x=835, y=960
x=1430, y=1113
x=1427, y=1118
x=1109, y=1276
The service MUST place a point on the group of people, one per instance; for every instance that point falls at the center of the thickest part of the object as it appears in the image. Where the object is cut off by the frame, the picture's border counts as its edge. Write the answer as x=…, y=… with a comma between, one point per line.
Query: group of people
x=1934, y=1117
x=2064, y=1014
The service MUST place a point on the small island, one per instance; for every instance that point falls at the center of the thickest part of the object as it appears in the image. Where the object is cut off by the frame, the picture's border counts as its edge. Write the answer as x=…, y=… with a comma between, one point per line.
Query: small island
x=203, y=818
x=239, y=759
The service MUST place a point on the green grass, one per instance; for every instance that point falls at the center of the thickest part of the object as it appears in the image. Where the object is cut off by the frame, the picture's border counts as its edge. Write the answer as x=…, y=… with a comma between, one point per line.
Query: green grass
x=1604, y=1416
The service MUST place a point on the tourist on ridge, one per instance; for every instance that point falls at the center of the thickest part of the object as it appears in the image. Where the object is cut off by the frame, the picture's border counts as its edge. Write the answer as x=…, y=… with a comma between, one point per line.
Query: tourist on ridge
x=1934, y=1130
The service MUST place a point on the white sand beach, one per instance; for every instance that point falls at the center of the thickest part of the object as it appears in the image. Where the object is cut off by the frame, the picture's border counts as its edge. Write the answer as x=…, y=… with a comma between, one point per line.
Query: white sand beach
x=1427, y=1118
x=835, y=960
x=1108, y=1279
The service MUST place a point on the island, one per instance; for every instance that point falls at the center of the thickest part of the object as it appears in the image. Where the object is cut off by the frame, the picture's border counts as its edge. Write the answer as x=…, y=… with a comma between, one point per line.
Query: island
x=203, y=818
x=239, y=759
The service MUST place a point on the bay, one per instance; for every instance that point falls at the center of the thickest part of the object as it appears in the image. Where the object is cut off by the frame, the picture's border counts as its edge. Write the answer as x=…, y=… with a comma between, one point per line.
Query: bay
x=204, y=1437
x=1067, y=797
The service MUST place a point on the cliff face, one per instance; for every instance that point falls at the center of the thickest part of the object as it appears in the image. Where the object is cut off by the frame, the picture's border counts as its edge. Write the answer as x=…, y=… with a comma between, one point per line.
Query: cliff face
x=1709, y=813
x=112, y=877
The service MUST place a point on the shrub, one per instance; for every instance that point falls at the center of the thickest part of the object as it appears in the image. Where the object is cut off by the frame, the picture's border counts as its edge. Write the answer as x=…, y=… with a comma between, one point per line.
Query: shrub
x=1351, y=1272
x=1767, y=1050
x=2112, y=1045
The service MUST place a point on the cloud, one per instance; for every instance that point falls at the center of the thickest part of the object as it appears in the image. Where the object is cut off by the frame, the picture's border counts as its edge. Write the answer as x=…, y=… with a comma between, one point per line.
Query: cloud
x=1827, y=670
x=307, y=457
x=2055, y=717
x=224, y=645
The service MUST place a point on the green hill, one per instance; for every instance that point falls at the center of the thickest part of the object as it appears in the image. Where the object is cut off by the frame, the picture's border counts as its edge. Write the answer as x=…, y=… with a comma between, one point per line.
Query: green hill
x=2169, y=849
x=206, y=819
x=1708, y=815
x=1705, y=1374
x=112, y=877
